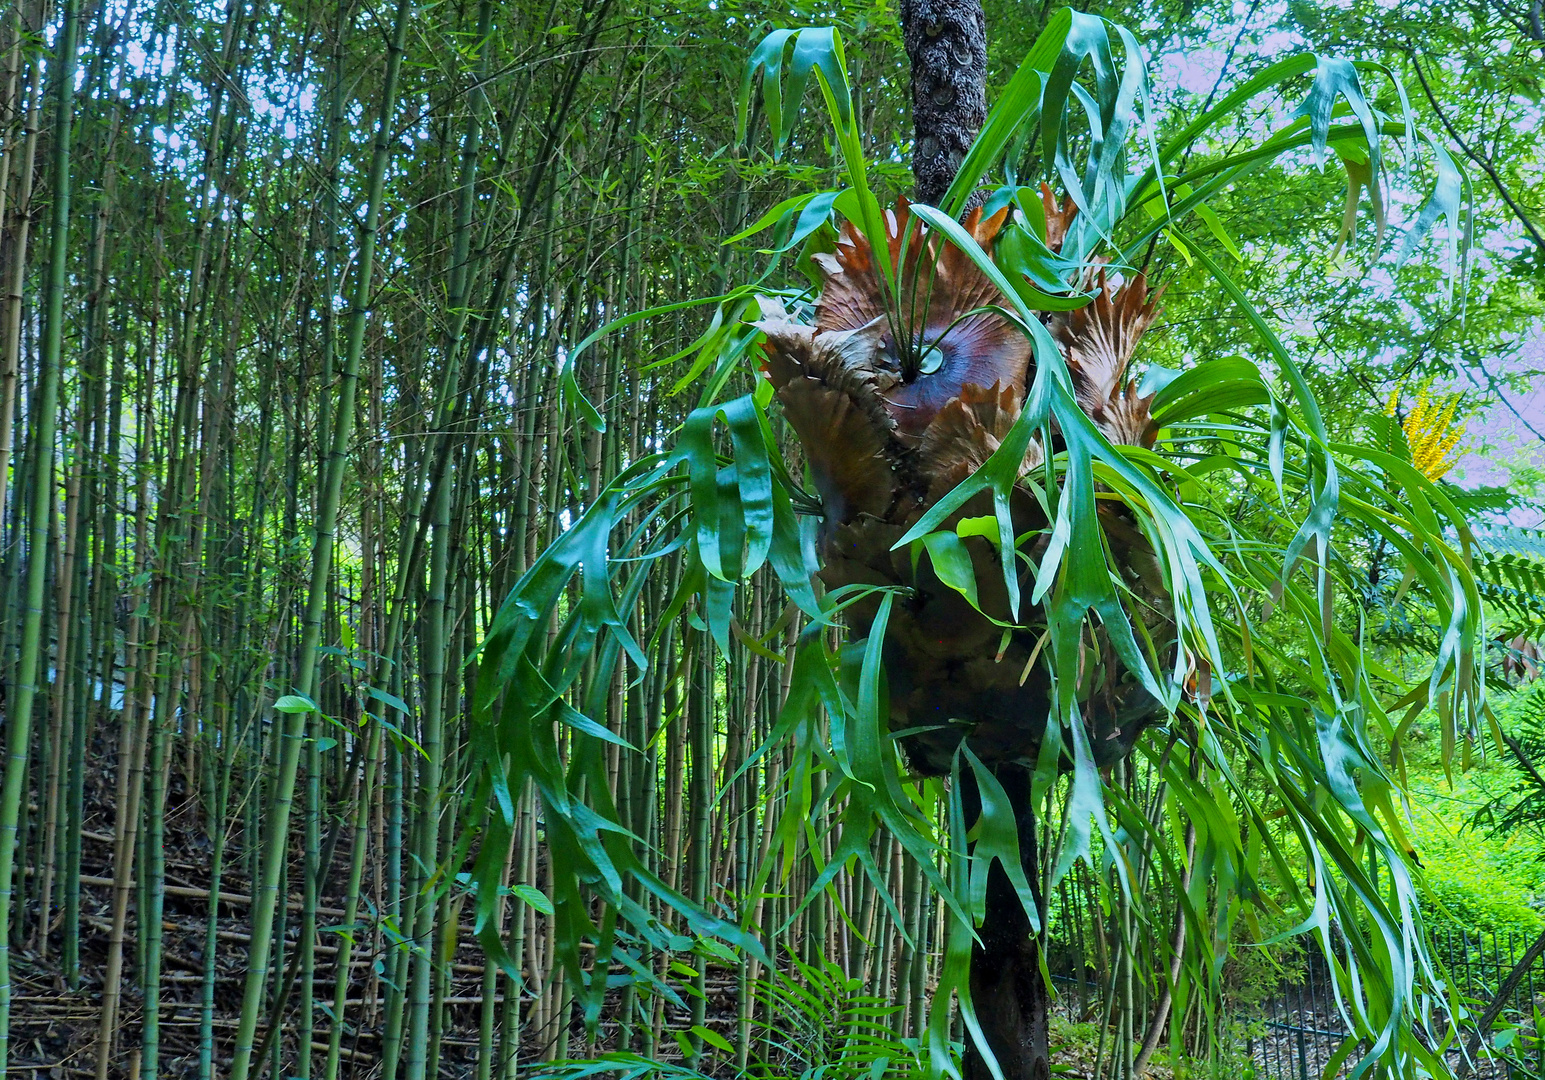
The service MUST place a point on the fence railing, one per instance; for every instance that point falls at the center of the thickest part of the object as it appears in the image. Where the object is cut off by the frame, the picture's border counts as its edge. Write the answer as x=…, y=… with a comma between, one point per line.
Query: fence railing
x=1297, y=1031
x=1301, y=1028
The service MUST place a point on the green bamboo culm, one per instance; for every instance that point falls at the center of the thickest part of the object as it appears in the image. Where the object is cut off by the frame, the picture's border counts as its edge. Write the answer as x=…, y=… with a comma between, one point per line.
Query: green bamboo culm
x=351, y=905
x=19, y=719
x=275, y=841
x=419, y=1056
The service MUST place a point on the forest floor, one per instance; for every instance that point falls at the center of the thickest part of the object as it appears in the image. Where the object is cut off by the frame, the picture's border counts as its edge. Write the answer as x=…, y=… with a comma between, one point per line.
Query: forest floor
x=55, y=1029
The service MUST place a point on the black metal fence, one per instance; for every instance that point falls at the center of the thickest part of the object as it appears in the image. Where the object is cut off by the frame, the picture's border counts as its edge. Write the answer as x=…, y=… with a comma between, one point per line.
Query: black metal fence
x=1300, y=1029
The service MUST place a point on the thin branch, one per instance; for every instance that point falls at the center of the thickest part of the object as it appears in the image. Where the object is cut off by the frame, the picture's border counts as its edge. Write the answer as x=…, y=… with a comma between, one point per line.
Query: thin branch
x=1473, y=155
x=1523, y=759
x=1503, y=996
x=1491, y=383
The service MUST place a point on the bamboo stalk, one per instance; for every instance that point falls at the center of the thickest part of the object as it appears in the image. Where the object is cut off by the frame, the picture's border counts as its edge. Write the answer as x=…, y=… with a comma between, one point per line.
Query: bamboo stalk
x=278, y=826
x=19, y=708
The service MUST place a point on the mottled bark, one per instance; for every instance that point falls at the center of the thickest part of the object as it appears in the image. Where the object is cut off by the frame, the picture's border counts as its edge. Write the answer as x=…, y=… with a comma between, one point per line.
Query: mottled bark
x=946, y=42
x=1007, y=989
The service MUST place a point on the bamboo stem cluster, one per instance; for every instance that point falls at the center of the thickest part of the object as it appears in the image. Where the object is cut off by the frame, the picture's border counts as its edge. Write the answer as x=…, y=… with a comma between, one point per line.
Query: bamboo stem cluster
x=280, y=425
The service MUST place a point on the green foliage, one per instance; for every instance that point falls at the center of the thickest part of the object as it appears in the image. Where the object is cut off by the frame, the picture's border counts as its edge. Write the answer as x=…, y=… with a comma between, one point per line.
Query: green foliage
x=1245, y=499
x=815, y=1023
x=820, y=1023
x=1479, y=834
x=1517, y=812
x=552, y=167
x=1477, y=885
x=1510, y=573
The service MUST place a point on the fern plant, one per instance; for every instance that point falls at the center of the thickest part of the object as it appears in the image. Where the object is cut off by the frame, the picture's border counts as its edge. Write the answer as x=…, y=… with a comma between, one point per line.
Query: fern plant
x=1520, y=808
x=1510, y=574
x=814, y=1023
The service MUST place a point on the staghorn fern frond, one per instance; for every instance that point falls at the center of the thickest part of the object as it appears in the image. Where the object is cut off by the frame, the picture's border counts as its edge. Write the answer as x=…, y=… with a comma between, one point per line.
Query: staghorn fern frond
x=1268, y=684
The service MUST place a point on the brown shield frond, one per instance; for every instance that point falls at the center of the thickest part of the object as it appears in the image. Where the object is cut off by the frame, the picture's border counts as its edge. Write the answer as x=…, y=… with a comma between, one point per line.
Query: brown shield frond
x=1058, y=218
x=830, y=391
x=968, y=431
x=845, y=451
x=936, y=341
x=1099, y=340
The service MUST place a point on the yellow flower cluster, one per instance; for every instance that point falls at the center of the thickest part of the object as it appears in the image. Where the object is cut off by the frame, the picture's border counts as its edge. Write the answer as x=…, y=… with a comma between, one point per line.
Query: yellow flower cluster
x=1430, y=429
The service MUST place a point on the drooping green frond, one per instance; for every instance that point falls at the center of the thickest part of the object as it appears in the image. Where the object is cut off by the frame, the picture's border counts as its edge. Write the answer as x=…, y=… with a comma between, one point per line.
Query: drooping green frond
x=1245, y=500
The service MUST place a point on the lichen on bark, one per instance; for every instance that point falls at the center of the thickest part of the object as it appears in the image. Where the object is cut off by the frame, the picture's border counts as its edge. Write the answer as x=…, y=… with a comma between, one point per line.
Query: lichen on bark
x=946, y=42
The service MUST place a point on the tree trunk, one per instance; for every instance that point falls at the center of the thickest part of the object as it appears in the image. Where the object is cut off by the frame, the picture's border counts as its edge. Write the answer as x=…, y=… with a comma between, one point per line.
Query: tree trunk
x=1007, y=989
x=946, y=43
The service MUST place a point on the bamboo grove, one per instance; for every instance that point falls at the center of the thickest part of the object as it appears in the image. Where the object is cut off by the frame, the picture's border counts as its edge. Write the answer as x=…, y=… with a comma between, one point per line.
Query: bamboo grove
x=290, y=292
x=281, y=428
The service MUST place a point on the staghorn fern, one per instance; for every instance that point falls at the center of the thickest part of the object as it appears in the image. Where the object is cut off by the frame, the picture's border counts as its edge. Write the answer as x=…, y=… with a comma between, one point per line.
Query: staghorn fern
x=1264, y=676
